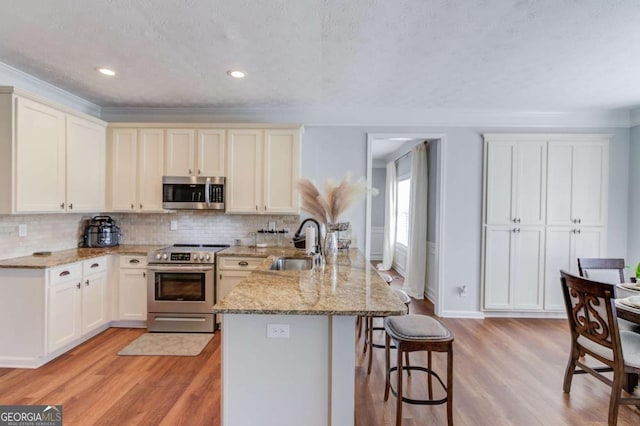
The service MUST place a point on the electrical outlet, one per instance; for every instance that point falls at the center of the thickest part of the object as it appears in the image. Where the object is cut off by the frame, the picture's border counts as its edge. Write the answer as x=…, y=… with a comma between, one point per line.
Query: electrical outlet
x=278, y=331
x=174, y=225
x=22, y=230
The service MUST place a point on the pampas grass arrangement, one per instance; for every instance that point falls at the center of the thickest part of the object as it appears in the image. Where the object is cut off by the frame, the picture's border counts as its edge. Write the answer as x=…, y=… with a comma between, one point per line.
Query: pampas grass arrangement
x=337, y=199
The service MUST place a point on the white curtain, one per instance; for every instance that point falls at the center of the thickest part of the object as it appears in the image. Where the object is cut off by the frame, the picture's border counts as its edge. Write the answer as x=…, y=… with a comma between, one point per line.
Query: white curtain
x=389, y=218
x=416, y=270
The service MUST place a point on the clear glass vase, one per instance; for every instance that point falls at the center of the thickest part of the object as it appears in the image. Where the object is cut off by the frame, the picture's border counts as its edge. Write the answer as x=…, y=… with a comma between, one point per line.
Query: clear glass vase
x=330, y=248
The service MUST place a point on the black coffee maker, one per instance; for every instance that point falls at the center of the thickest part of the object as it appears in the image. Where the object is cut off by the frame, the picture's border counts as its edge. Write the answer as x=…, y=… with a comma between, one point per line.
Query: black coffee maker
x=101, y=231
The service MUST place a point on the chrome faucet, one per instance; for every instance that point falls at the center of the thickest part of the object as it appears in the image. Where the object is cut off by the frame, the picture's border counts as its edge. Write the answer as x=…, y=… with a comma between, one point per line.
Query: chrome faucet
x=297, y=235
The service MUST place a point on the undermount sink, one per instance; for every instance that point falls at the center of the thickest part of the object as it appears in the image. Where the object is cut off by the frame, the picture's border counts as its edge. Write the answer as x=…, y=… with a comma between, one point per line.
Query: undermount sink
x=292, y=264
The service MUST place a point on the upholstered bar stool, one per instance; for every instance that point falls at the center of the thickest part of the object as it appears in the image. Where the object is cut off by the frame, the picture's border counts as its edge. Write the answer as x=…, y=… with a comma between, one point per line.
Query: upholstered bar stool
x=369, y=328
x=411, y=333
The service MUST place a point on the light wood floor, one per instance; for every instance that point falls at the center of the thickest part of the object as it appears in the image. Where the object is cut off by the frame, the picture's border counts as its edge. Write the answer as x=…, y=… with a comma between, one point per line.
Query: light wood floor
x=507, y=372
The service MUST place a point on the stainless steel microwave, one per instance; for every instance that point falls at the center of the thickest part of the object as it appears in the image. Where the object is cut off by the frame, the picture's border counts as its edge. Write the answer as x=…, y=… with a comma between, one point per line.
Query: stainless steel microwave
x=193, y=193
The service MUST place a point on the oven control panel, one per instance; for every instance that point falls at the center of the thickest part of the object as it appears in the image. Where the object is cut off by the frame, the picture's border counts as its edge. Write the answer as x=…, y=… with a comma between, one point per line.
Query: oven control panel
x=183, y=257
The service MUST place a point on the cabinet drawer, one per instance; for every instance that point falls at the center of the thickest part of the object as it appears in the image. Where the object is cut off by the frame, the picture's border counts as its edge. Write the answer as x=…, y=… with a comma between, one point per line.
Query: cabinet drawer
x=133, y=261
x=239, y=263
x=95, y=265
x=64, y=273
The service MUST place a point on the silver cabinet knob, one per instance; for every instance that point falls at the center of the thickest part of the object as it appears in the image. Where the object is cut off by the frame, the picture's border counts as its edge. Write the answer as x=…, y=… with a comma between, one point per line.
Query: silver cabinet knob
x=62, y=205
x=70, y=206
x=87, y=283
x=78, y=285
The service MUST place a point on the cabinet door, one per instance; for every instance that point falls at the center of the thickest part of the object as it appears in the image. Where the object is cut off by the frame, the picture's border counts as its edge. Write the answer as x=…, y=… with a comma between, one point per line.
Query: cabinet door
x=558, y=257
x=94, y=301
x=500, y=183
x=497, y=273
x=150, y=169
x=531, y=183
x=564, y=246
x=227, y=280
x=180, y=153
x=244, y=171
x=210, y=152
x=133, y=294
x=588, y=242
x=577, y=183
x=527, y=268
x=40, y=158
x=590, y=165
x=123, y=155
x=281, y=171
x=86, y=156
x=64, y=314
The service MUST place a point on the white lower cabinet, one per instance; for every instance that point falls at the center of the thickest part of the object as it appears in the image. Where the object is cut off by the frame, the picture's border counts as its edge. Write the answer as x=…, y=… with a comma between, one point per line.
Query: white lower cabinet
x=78, y=302
x=133, y=288
x=564, y=246
x=514, y=267
x=65, y=305
x=231, y=270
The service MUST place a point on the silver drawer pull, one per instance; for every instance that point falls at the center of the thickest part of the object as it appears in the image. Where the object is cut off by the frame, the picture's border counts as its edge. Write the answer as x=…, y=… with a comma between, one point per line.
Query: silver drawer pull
x=243, y=263
x=134, y=261
x=64, y=273
x=95, y=265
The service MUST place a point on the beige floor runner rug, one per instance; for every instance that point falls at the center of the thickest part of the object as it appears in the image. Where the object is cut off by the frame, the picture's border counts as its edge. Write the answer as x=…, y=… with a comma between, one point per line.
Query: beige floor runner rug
x=169, y=344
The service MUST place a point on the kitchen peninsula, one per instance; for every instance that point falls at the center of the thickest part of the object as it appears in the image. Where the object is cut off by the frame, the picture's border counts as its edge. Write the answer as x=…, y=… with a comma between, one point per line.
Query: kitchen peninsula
x=288, y=339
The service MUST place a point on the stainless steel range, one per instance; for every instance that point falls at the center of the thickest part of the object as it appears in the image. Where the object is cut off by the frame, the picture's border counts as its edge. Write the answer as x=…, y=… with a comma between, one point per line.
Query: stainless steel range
x=181, y=288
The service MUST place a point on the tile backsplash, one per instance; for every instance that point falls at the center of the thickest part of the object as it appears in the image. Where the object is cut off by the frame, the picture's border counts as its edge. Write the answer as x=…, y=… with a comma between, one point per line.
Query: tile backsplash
x=64, y=231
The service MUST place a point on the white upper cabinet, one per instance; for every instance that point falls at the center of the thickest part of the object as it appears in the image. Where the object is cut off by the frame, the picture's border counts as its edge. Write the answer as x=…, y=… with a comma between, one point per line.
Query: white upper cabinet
x=262, y=171
x=516, y=181
x=281, y=171
x=136, y=159
x=244, y=171
x=40, y=157
x=577, y=182
x=123, y=169
x=86, y=162
x=191, y=152
x=51, y=161
x=150, y=169
x=210, y=152
x=180, y=152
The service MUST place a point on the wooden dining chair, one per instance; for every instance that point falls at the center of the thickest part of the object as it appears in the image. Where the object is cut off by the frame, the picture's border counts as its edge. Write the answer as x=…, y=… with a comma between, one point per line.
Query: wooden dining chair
x=591, y=312
x=604, y=270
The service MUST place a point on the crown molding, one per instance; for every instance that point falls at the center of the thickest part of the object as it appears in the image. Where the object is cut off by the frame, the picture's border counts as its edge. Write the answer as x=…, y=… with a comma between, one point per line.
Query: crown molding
x=321, y=116
x=10, y=76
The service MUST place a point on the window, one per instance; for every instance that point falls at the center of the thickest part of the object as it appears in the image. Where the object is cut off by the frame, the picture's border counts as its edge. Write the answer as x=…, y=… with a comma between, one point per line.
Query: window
x=402, y=219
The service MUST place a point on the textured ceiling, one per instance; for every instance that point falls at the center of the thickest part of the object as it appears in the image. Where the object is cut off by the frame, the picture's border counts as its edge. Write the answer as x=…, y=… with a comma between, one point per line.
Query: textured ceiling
x=461, y=54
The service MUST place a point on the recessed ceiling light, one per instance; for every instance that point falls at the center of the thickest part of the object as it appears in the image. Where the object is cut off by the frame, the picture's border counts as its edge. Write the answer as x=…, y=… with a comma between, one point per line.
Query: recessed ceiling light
x=236, y=73
x=106, y=71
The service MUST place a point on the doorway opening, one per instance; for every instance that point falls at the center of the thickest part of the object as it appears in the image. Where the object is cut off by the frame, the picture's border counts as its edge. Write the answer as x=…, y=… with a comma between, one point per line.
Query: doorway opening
x=396, y=147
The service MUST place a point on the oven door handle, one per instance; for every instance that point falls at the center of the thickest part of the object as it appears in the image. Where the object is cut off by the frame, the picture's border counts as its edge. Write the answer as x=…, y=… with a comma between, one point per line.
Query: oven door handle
x=179, y=268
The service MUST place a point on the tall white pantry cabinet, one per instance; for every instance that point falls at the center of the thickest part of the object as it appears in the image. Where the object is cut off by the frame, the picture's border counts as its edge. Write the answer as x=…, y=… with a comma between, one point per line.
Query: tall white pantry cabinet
x=545, y=204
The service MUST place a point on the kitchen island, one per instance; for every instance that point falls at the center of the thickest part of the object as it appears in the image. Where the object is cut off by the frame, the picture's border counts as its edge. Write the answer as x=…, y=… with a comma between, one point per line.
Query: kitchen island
x=288, y=340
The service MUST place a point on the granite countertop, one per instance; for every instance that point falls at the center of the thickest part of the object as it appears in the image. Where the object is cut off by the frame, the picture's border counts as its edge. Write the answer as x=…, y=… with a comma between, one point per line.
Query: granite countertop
x=64, y=257
x=350, y=287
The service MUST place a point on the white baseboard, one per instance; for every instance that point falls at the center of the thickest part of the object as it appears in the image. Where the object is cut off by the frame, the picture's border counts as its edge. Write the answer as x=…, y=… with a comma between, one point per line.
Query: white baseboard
x=35, y=362
x=512, y=314
x=462, y=314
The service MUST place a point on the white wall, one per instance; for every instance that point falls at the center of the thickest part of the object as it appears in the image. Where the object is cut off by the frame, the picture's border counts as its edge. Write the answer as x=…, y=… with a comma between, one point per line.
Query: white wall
x=330, y=151
x=633, y=246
